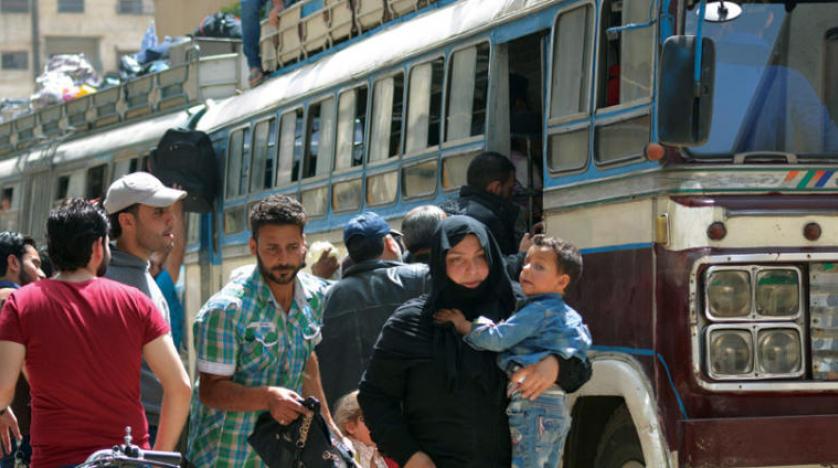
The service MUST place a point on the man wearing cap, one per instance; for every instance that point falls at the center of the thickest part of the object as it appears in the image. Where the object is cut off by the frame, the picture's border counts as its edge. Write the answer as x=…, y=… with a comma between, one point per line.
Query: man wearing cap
x=357, y=306
x=145, y=217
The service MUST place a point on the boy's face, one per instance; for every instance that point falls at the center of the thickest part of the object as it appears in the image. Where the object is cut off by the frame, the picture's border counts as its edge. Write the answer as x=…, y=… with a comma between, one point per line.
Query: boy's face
x=541, y=274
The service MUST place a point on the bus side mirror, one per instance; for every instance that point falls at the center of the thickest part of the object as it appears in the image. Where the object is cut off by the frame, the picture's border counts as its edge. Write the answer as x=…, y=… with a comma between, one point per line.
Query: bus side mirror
x=685, y=108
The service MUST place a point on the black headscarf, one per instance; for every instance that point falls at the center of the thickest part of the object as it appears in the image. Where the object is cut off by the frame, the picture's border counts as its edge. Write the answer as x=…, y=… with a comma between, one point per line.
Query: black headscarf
x=493, y=298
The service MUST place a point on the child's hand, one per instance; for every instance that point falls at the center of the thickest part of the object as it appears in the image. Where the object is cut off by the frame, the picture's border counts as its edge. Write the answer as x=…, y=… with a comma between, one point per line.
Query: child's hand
x=454, y=316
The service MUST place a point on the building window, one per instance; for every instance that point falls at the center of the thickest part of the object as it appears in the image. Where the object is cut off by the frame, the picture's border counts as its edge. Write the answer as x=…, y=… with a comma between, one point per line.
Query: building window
x=71, y=6
x=15, y=61
x=131, y=7
x=14, y=6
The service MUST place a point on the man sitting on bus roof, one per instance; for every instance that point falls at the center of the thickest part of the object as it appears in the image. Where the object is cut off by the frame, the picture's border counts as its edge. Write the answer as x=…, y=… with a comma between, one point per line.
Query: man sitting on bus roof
x=251, y=31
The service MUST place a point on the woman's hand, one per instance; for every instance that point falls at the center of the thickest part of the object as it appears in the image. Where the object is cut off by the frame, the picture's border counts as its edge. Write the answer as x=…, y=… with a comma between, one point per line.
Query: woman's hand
x=420, y=460
x=456, y=317
x=533, y=380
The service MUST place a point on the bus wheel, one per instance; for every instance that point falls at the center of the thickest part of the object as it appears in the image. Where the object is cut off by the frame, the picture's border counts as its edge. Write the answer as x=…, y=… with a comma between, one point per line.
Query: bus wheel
x=619, y=446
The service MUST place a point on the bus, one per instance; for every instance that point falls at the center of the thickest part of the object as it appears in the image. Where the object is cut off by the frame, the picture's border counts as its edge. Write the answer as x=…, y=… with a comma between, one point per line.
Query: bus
x=689, y=150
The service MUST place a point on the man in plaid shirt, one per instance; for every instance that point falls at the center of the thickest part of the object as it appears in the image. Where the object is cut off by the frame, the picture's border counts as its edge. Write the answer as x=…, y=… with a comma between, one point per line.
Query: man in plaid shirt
x=255, y=342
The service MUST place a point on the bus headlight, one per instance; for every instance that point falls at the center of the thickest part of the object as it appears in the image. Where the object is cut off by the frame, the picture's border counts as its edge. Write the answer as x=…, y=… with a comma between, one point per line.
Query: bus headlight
x=730, y=352
x=729, y=293
x=779, y=351
x=778, y=292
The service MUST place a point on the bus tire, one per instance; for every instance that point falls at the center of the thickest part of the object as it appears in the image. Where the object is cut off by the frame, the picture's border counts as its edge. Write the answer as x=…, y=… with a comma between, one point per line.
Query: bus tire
x=619, y=446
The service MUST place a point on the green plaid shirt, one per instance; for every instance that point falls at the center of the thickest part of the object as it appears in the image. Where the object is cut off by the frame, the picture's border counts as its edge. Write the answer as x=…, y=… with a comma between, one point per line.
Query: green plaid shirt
x=243, y=333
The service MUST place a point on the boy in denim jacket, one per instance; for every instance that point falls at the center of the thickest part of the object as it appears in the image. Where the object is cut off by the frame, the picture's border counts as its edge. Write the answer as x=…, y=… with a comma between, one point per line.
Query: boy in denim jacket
x=541, y=326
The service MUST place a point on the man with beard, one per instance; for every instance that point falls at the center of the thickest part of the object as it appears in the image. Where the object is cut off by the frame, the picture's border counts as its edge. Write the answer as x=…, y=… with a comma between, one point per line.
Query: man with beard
x=145, y=217
x=20, y=264
x=82, y=338
x=254, y=342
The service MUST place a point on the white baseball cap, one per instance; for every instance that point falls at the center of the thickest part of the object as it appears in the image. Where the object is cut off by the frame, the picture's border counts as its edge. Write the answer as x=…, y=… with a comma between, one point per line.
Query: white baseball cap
x=140, y=187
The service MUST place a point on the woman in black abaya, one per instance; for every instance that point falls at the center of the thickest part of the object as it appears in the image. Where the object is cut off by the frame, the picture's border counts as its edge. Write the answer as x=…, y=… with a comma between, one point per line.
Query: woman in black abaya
x=427, y=397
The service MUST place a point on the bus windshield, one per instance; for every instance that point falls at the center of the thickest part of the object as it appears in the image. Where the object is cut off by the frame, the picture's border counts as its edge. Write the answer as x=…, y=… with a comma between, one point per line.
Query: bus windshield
x=776, y=87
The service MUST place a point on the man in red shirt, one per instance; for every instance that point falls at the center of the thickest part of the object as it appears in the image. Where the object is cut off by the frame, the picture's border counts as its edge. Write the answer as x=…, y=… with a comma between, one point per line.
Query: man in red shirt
x=82, y=338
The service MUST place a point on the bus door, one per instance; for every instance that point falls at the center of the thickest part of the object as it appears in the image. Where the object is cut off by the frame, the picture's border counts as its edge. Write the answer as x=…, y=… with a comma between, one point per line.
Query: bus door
x=525, y=71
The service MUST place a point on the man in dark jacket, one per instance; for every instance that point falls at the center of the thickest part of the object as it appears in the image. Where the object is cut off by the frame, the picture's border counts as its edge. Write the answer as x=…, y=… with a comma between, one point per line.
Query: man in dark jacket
x=487, y=196
x=357, y=306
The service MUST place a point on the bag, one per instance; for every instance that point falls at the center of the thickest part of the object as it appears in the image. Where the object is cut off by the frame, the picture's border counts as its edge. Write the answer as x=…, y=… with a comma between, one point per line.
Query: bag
x=186, y=157
x=305, y=443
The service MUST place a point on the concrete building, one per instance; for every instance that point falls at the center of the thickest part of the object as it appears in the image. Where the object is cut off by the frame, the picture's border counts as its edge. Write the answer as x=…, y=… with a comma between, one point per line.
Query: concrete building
x=180, y=17
x=104, y=30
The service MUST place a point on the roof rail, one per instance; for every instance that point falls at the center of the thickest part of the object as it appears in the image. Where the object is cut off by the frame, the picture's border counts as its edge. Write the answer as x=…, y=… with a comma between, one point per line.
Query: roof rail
x=311, y=26
x=200, y=69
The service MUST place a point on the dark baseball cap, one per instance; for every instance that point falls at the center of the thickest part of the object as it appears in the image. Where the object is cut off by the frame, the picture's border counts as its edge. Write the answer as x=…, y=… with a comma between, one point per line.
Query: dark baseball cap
x=367, y=224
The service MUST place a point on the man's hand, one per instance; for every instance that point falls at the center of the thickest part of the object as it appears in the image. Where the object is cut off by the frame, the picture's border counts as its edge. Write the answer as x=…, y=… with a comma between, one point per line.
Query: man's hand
x=420, y=460
x=8, y=429
x=284, y=405
x=456, y=317
x=273, y=15
x=326, y=265
x=533, y=380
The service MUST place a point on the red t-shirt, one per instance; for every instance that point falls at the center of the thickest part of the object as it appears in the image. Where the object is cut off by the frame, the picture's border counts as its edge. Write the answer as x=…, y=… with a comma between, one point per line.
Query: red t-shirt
x=84, y=344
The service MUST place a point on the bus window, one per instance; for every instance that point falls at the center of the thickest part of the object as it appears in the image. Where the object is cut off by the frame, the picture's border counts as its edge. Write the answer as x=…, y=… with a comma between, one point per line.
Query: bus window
x=9, y=208
x=381, y=188
x=315, y=201
x=69, y=186
x=831, y=73
x=388, y=105
x=419, y=180
x=346, y=196
x=290, y=147
x=424, y=105
x=567, y=149
x=352, y=119
x=264, y=141
x=193, y=228
x=95, y=182
x=468, y=87
x=625, y=57
x=235, y=150
x=571, y=63
x=320, y=138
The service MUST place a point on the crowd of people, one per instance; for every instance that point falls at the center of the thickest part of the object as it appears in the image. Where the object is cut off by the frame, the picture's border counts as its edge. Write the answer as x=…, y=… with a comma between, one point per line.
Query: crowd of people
x=447, y=343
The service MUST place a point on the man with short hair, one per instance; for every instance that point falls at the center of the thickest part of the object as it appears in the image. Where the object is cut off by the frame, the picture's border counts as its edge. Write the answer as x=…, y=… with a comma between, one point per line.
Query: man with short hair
x=82, y=338
x=20, y=264
x=254, y=342
x=357, y=306
x=145, y=217
x=418, y=227
x=487, y=196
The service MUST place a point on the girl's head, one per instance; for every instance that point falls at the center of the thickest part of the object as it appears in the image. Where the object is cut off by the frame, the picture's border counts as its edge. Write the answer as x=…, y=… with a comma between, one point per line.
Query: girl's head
x=350, y=420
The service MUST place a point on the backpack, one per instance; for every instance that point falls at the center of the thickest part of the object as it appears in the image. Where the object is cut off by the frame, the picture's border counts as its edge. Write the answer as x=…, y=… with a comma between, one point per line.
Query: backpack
x=186, y=157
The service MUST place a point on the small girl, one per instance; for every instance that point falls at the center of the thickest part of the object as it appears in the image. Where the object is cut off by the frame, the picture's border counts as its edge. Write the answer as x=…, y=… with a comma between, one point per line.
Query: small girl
x=350, y=421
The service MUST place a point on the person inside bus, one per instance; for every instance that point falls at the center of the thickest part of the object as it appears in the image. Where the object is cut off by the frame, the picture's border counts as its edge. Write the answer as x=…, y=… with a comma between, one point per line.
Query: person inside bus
x=455, y=395
x=251, y=31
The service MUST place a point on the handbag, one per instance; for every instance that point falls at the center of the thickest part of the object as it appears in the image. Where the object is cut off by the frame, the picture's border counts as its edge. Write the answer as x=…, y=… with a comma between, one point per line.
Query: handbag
x=305, y=443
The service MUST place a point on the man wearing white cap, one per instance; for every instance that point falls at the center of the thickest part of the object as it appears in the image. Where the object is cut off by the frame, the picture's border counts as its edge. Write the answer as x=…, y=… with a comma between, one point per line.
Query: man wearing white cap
x=144, y=215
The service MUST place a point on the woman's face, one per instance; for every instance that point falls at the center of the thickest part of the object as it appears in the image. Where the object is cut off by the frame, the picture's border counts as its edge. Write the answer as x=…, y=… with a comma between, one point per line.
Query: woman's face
x=466, y=264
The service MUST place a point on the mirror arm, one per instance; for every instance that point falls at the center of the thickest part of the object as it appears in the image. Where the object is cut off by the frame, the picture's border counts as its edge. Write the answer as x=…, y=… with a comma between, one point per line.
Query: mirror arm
x=698, y=49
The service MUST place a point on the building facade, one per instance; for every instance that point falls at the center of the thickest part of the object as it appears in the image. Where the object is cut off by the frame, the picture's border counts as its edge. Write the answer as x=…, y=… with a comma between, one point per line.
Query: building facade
x=104, y=30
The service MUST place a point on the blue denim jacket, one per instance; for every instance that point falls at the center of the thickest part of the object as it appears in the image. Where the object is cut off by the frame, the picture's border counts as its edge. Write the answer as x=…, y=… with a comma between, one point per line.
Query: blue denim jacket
x=541, y=326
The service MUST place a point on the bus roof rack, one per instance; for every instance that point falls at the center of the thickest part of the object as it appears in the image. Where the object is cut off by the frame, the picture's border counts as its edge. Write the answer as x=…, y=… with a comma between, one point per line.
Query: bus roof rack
x=200, y=69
